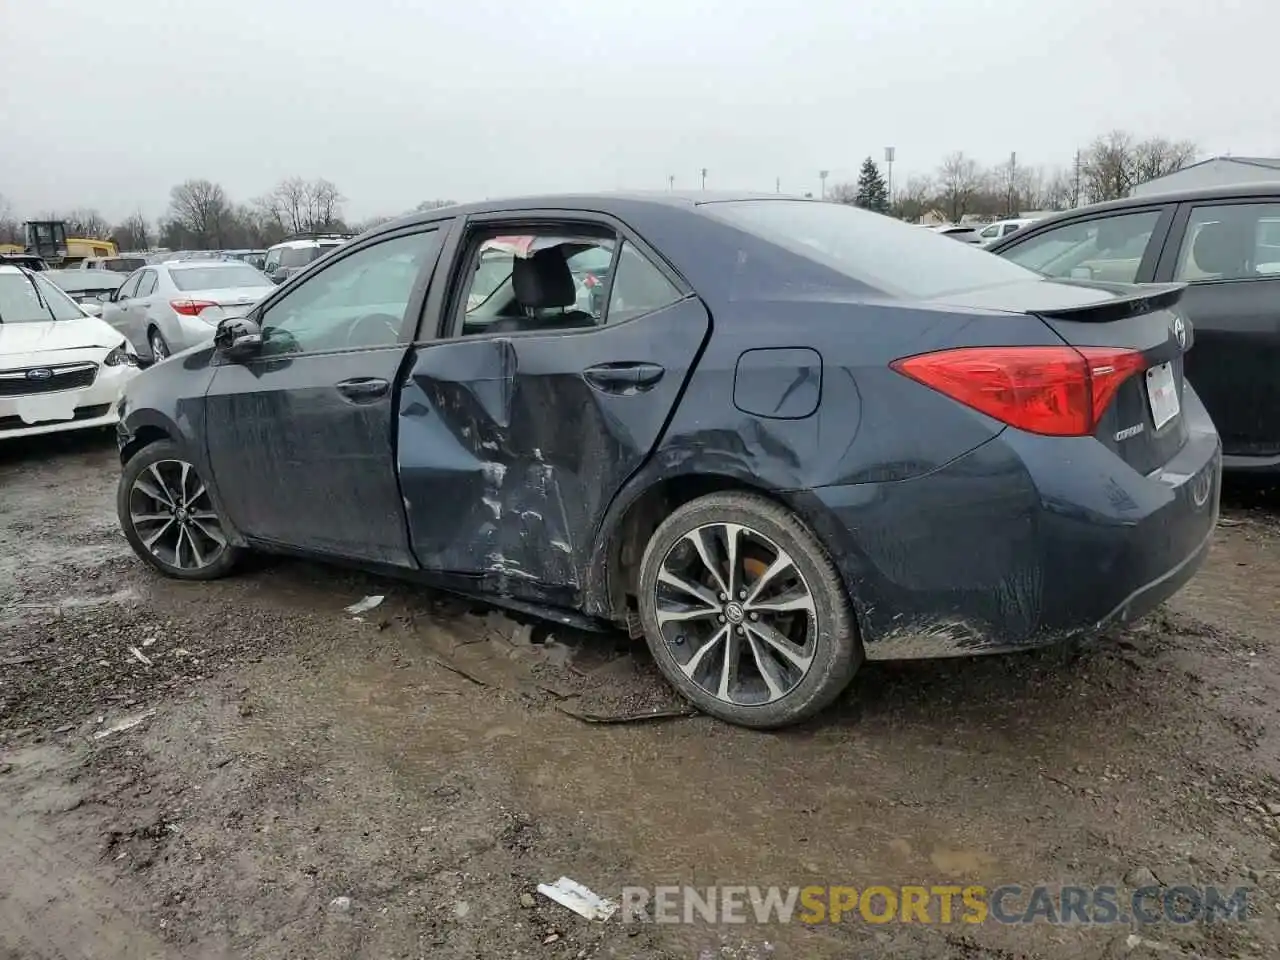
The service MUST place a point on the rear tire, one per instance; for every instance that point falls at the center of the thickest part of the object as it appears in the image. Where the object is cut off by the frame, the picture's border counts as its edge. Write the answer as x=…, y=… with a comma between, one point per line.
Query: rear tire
x=159, y=346
x=764, y=641
x=169, y=518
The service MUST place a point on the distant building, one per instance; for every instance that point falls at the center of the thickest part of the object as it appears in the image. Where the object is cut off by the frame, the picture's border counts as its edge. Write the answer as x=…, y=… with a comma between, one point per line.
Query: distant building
x=1214, y=172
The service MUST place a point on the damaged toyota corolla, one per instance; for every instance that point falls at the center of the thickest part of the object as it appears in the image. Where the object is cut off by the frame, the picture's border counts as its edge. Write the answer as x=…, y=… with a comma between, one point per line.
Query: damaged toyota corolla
x=773, y=437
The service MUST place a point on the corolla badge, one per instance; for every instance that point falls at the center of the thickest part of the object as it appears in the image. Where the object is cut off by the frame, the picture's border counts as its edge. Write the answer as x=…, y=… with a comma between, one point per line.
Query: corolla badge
x=1180, y=332
x=40, y=373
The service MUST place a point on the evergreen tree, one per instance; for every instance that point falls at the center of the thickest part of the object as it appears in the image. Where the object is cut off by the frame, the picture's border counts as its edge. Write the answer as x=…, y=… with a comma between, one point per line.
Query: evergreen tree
x=873, y=193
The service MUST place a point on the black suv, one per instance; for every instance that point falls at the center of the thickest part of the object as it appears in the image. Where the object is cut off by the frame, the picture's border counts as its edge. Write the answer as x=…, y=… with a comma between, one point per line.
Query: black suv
x=1224, y=242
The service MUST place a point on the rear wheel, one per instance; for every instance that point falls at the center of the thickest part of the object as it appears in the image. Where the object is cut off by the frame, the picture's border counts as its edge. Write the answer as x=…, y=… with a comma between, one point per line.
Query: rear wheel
x=159, y=347
x=169, y=518
x=745, y=613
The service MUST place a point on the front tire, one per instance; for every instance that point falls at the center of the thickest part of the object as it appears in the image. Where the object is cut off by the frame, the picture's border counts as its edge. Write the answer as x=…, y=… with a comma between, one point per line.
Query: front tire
x=168, y=516
x=745, y=613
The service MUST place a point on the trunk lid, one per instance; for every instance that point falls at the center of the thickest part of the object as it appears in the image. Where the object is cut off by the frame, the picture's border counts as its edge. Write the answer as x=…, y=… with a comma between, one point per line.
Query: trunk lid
x=1143, y=424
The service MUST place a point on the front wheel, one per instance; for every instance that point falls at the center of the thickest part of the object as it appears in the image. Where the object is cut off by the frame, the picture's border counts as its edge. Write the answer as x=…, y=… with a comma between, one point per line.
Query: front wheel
x=745, y=613
x=169, y=518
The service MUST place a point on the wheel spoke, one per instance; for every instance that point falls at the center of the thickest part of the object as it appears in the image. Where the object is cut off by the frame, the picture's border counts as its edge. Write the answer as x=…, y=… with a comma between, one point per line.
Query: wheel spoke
x=157, y=494
x=731, y=532
x=151, y=517
x=780, y=643
x=212, y=531
x=693, y=589
x=700, y=654
x=780, y=563
x=679, y=616
x=729, y=666
x=700, y=544
x=182, y=483
x=150, y=542
x=768, y=668
x=170, y=499
x=195, y=550
x=799, y=601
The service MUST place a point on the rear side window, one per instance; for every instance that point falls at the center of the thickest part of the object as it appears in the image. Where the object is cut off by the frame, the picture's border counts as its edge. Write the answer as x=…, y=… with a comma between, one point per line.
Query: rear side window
x=1236, y=241
x=638, y=287
x=897, y=258
x=147, y=284
x=1104, y=248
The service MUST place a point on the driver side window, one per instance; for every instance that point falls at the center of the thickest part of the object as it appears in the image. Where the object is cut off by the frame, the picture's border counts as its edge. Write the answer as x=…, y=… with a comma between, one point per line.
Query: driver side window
x=1104, y=248
x=358, y=301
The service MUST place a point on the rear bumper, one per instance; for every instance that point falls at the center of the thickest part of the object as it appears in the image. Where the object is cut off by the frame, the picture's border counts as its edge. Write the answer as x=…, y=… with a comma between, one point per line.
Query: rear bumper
x=1022, y=542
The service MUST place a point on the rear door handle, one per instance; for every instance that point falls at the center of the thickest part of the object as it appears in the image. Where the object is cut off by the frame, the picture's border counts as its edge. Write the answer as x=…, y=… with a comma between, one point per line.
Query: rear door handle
x=623, y=377
x=364, y=389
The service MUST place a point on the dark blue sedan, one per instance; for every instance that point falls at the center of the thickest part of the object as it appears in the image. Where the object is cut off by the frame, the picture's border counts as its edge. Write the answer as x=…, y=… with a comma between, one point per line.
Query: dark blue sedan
x=786, y=436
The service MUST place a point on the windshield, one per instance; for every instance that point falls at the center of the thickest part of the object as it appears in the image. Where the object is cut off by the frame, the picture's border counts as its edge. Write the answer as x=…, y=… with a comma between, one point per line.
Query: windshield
x=218, y=278
x=894, y=257
x=20, y=304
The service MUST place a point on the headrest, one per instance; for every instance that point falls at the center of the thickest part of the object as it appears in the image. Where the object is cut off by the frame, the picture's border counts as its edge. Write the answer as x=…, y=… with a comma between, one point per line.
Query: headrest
x=543, y=280
x=1225, y=248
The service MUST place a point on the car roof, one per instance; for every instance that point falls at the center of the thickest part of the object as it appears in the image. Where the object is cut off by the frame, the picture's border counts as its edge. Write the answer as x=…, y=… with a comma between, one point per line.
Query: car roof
x=614, y=203
x=199, y=264
x=1238, y=191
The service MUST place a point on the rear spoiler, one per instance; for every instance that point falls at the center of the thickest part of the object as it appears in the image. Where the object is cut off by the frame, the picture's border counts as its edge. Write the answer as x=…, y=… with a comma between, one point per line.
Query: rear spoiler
x=1129, y=301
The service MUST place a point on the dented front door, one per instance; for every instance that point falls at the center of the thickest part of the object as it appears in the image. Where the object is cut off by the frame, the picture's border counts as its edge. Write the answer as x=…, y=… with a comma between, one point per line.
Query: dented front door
x=511, y=447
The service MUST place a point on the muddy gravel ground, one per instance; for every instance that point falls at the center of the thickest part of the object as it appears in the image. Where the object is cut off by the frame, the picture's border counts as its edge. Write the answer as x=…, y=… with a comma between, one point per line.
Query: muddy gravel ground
x=298, y=781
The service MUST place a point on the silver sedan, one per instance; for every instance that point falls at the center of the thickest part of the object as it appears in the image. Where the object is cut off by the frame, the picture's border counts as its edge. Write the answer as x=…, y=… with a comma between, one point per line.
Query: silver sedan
x=165, y=308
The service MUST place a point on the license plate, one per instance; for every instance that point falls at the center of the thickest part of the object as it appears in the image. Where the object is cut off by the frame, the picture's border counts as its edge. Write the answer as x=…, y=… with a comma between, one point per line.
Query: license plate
x=34, y=410
x=1163, y=394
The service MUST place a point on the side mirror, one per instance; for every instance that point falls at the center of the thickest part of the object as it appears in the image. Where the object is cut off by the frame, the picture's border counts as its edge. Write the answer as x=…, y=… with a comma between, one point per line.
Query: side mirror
x=237, y=338
x=279, y=275
x=106, y=297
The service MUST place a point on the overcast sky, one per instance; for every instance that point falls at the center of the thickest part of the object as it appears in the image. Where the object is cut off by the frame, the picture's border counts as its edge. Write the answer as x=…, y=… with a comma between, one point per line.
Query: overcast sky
x=109, y=104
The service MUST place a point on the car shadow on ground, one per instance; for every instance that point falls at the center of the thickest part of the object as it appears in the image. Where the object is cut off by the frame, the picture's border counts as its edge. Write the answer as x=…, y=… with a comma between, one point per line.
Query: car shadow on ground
x=18, y=451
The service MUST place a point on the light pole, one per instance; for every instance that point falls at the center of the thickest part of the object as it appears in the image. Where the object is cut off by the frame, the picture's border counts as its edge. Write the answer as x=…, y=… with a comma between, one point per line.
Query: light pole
x=671, y=182
x=822, y=175
x=777, y=184
x=1013, y=173
x=704, y=178
x=888, y=162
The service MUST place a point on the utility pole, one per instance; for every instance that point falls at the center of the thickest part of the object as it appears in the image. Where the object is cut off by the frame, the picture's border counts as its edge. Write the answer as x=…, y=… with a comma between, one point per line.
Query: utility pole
x=1013, y=174
x=1075, y=192
x=888, y=162
x=822, y=175
x=777, y=184
x=671, y=181
x=704, y=178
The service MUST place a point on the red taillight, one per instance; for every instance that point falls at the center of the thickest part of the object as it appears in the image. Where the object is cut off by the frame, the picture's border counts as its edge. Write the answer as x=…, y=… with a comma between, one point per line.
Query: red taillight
x=190, y=308
x=1056, y=391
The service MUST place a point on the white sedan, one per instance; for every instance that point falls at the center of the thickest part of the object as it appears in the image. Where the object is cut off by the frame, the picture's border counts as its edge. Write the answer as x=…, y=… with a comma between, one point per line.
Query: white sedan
x=60, y=369
x=165, y=308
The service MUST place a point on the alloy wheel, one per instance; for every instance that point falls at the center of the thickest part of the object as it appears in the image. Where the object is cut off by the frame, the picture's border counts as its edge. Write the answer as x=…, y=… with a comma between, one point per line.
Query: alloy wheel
x=736, y=614
x=173, y=515
x=159, y=349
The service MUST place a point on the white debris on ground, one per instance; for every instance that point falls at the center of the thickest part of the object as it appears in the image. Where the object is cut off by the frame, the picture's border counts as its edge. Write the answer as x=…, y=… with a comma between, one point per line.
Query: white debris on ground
x=579, y=899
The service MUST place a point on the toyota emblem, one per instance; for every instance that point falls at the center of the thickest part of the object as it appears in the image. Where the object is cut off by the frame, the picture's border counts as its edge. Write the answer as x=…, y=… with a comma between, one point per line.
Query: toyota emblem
x=40, y=373
x=1180, y=332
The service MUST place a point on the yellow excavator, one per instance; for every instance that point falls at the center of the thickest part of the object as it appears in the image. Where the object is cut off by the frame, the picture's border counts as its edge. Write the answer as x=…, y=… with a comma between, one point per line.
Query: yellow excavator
x=47, y=240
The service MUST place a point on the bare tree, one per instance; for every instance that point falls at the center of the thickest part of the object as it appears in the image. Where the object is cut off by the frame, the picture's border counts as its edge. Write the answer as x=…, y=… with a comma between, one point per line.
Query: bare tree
x=434, y=204
x=1108, y=167
x=325, y=205
x=1158, y=157
x=843, y=192
x=133, y=233
x=959, y=179
x=914, y=200
x=10, y=228
x=200, y=208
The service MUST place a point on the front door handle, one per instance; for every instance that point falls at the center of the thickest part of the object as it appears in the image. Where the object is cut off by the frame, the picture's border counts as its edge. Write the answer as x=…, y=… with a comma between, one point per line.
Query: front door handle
x=364, y=389
x=623, y=377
